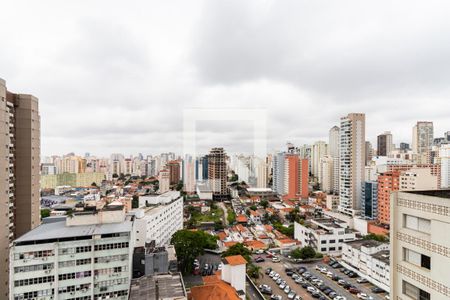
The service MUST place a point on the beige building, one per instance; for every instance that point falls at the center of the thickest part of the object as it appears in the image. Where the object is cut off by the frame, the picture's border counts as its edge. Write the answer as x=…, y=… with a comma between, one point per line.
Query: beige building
x=217, y=173
x=164, y=181
x=352, y=162
x=420, y=246
x=418, y=179
x=19, y=184
x=71, y=179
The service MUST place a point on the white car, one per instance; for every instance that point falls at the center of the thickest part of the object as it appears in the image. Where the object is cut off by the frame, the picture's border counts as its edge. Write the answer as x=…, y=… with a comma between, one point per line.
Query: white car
x=323, y=270
x=361, y=280
x=340, y=298
x=364, y=296
x=287, y=289
x=271, y=274
x=310, y=289
x=276, y=260
x=318, y=267
x=330, y=274
x=260, y=251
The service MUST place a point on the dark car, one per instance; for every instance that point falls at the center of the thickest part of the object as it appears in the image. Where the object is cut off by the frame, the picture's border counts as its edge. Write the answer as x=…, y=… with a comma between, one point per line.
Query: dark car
x=305, y=285
x=328, y=291
x=352, y=275
x=332, y=295
x=354, y=290
x=323, y=287
x=315, y=294
x=302, y=270
x=307, y=275
x=346, y=272
x=336, y=265
x=259, y=259
x=377, y=290
x=268, y=270
x=332, y=262
x=336, y=278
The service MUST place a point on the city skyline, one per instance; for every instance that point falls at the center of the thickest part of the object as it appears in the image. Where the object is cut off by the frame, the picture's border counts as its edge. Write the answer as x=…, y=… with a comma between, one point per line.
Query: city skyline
x=117, y=78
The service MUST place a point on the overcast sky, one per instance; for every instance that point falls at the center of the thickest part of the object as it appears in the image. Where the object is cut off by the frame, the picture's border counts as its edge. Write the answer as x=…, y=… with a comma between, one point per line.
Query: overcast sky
x=115, y=76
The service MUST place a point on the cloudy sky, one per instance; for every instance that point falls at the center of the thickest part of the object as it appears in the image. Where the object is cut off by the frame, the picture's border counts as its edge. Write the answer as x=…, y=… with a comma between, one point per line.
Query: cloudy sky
x=116, y=76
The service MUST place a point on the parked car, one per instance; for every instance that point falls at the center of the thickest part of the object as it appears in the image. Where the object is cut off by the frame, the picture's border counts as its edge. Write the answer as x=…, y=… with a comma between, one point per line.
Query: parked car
x=295, y=276
x=339, y=298
x=287, y=289
x=271, y=274
x=352, y=275
x=332, y=295
x=260, y=251
x=361, y=280
x=276, y=260
x=342, y=282
x=335, y=278
x=291, y=295
x=330, y=274
x=298, y=298
x=336, y=265
x=354, y=290
x=310, y=289
x=279, y=281
x=301, y=270
x=298, y=280
x=265, y=289
x=304, y=284
x=315, y=294
x=259, y=259
x=364, y=296
x=377, y=290
x=268, y=270
x=307, y=275
x=282, y=285
x=276, y=297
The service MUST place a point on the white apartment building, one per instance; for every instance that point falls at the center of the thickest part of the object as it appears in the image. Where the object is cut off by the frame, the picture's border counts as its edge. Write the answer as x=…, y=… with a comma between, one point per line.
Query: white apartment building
x=164, y=181
x=326, y=174
x=158, y=218
x=418, y=179
x=319, y=150
x=370, y=259
x=444, y=155
x=351, y=162
x=420, y=245
x=325, y=235
x=81, y=259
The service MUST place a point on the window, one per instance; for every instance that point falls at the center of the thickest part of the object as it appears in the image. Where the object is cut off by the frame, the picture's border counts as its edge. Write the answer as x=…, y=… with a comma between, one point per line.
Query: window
x=323, y=242
x=416, y=258
x=323, y=249
x=416, y=223
x=414, y=292
x=332, y=241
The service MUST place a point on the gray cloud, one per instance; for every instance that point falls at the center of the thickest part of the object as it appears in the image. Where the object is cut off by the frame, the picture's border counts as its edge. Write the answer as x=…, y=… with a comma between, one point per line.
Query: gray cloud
x=114, y=77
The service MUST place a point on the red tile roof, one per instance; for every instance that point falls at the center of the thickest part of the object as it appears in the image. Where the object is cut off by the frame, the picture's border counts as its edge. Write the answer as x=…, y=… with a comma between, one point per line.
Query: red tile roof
x=235, y=260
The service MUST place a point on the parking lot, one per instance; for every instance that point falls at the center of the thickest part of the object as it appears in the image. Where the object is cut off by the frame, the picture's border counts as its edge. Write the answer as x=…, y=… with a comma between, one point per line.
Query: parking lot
x=327, y=281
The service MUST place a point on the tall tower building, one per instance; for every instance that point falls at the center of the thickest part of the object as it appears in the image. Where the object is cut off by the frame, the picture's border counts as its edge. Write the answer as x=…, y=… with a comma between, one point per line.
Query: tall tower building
x=445, y=166
x=384, y=144
x=217, y=173
x=333, y=141
x=352, y=162
x=19, y=184
x=278, y=173
x=174, y=171
x=319, y=150
x=422, y=140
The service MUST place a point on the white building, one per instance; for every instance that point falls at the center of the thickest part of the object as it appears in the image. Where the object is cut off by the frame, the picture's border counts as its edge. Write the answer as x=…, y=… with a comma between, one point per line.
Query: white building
x=444, y=155
x=370, y=259
x=326, y=174
x=158, y=218
x=423, y=137
x=352, y=162
x=164, y=181
x=325, y=235
x=420, y=245
x=319, y=150
x=80, y=260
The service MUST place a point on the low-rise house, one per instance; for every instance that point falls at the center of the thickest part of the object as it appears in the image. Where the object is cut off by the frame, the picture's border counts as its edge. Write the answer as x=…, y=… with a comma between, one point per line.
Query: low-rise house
x=370, y=259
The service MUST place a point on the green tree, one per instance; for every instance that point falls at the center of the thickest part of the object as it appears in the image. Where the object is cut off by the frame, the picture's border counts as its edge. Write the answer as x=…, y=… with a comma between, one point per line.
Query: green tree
x=376, y=237
x=264, y=203
x=179, y=186
x=254, y=271
x=115, y=175
x=45, y=212
x=231, y=218
x=189, y=245
x=94, y=184
x=305, y=253
x=135, y=201
x=238, y=249
x=253, y=207
x=289, y=231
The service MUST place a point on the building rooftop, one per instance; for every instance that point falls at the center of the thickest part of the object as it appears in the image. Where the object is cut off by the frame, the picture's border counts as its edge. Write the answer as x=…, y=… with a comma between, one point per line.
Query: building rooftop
x=432, y=193
x=234, y=260
x=364, y=243
x=383, y=256
x=59, y=230
x=214, y=288
x=167, y=286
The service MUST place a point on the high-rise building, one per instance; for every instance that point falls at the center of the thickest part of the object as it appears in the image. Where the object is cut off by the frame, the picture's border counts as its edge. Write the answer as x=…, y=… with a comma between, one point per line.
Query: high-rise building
x=417, y=179
x=388, y=182
x=384, y=144
x=164, y=181
x=369, y=200
x=326, y=174
x=404, y=146
x=420, y=260
x=19, y=187
x=86, y=256
x=352, y=162
x=217, y=173
x=174, y=171
x=261, y=169
x=422, y=137
x=278, y=173
x=333, y=141
x=369, y=153
x=319, y=150
x=445, y=166
x=295, y=177
x=189, y=174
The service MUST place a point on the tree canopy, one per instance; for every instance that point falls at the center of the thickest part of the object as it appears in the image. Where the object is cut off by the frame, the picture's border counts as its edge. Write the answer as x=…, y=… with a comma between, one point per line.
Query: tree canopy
x=189, y=245
x=238, y=249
